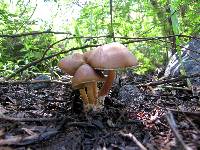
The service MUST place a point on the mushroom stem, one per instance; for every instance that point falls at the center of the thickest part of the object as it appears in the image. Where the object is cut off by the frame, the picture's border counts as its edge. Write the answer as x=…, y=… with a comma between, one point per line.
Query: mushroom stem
x=95, y=91
x=107, y=84
x=90, y=94
x=84, y=96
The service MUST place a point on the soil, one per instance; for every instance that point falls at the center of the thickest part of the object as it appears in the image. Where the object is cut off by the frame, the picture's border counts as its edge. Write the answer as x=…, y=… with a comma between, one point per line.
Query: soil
x=52, y=118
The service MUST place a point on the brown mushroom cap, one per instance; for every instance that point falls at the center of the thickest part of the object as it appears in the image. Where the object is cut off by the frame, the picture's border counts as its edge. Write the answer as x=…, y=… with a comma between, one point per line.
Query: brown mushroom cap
x=71, y=63
x=85, y=74
x=110, y=56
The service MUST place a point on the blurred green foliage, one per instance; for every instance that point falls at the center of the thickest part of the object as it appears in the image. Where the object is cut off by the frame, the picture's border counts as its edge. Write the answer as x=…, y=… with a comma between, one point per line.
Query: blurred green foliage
x=131, y=18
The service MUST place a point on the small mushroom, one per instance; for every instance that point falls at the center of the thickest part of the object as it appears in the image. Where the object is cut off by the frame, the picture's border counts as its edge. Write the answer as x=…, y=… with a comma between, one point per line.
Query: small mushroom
x=86, y=77
x=71, y=63
x=110, y=57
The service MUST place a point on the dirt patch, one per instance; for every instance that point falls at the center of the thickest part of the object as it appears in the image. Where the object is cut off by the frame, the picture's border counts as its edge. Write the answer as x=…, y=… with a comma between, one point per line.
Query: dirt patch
x=52, y=118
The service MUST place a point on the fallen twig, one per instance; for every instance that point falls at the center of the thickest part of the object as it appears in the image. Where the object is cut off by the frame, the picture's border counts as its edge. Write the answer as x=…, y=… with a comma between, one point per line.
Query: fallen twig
x=19, y=140
x=159, y=82
x=3, y=117
x=173, y=126
x=185, y=112
x=81, y=124
x=134, y=139
x=176, y=88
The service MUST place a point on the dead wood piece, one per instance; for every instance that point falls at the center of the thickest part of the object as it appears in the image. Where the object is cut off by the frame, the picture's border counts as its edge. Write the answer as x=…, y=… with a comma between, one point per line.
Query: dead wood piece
x=3, y=117
x=10, y=141
x=22, y=141
x=173, y=126
x=176, y=88
x=188, y=113
x=81, y=124
x=159, y=82
x=134, y=139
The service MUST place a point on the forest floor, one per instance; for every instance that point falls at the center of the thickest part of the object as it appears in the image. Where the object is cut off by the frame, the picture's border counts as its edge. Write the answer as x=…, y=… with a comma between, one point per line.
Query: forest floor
x=51, y=118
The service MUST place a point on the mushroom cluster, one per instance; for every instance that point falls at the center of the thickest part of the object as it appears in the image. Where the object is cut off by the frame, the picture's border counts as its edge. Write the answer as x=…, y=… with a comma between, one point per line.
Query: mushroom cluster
x=87, y=68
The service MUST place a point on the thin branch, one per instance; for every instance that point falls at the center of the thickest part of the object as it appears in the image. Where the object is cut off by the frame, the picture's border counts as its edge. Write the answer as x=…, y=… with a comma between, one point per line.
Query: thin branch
x=175, y=88
x=51, y=46
x=134, y=139
x=64, y=51
x=81, y=124
x=36, y=61
x=93, y=37
x=153, y=38
x=159, y=23
x=46, y=58
x=27, y=140
x=3, y=117
x=159, y=82
x=188, y=49
x=32, y=33
x=26, y=21
x=145, y=32
x=172, y=124
x=111, y=20
x=63, y=82
x=25, y=8
x=158, y=37
x=188, y=113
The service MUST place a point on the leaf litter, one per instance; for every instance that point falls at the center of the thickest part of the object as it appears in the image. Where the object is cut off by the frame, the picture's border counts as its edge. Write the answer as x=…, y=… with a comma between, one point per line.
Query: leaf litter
x=142, y=117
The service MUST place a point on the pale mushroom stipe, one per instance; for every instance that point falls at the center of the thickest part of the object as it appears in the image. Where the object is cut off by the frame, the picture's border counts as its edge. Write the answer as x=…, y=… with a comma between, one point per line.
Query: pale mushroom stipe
x=85, y=78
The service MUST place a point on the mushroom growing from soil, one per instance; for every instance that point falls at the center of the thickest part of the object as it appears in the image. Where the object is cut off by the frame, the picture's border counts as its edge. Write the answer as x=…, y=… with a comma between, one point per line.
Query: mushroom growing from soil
x=85, y=77
x=110, y=57
x=71, y=63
